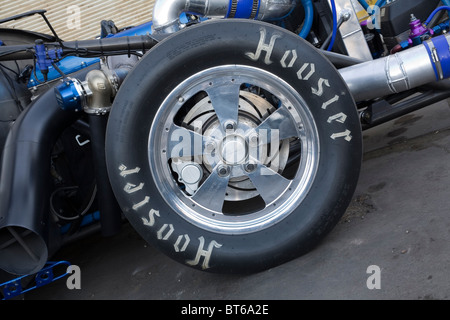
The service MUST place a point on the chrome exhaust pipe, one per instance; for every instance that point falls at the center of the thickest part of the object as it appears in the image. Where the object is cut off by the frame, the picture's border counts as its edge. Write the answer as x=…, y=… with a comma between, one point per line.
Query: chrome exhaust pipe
x=166, y=13
x=409, y=69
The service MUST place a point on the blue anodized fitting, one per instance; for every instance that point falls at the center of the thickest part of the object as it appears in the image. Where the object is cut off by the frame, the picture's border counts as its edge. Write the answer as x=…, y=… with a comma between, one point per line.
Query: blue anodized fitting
x=71, y=95
x=439, y=50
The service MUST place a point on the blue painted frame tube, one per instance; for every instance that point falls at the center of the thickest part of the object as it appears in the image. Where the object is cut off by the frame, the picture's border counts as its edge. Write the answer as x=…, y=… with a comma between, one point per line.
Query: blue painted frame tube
x=364, y=4
x=380, y=3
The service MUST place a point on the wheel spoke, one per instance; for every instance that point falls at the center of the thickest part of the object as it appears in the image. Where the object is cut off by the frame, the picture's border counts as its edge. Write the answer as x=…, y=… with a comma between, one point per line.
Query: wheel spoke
x=280, y=126
x=211, y=194
x=269, y=183
x=225, y=101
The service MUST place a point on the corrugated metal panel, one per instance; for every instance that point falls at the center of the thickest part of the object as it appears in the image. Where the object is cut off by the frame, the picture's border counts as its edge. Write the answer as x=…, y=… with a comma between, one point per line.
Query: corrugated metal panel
x=77, y=19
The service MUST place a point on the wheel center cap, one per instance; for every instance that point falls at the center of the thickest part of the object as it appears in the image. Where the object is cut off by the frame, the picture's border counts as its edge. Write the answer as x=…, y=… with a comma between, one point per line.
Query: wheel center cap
x=234, y=150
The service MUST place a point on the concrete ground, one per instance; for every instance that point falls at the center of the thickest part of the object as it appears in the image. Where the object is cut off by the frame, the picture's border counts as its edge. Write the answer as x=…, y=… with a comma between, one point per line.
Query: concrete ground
x=399, y=221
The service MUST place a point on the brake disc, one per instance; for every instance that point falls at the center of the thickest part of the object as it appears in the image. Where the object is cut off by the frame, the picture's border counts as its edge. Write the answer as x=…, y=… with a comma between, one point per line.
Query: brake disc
x=253, y=110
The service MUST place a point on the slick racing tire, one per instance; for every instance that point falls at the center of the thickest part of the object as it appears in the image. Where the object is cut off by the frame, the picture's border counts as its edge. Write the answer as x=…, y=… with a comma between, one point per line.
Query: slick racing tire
x=234, y=146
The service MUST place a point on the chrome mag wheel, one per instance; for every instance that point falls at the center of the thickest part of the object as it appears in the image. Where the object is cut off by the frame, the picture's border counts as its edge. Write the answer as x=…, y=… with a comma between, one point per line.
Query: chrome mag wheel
x=234, y=149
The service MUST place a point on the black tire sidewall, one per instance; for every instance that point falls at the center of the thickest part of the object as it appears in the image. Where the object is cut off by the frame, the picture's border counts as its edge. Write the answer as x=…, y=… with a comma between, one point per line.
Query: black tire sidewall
x=210, y=45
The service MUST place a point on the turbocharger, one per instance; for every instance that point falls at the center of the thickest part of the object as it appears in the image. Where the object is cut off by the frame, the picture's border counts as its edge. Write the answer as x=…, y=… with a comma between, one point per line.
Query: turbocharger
x=166, y=13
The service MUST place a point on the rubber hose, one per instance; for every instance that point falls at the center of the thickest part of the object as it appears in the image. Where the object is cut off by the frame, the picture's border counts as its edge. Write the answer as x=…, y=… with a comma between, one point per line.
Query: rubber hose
x=309, y=18
x=364, y=4
x=335, y=27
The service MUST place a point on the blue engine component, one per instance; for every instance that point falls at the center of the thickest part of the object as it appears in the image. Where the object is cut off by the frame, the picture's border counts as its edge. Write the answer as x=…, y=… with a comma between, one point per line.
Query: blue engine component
x=70, y=95
x=67, y=65
x=441, y=28
x=46, y=59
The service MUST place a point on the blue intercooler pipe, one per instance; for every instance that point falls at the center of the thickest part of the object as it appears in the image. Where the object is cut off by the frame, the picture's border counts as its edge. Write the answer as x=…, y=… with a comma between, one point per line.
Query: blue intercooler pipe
x=166, y=13
x=420, y=65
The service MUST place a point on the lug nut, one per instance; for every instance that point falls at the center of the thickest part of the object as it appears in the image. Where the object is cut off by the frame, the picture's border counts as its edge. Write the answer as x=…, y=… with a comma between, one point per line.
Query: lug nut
x=254, y=139
x=230, y=126
x=250, y=167
x=223, y=171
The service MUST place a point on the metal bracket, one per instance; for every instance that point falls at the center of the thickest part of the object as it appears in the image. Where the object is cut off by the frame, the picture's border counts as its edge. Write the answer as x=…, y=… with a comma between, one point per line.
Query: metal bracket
x=81, y=144
x=14, y=288
x=351, y=32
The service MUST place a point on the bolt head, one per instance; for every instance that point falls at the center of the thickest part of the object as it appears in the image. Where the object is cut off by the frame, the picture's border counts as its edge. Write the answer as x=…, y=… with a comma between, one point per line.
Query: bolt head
x=254, y=139
x=250, y=167
x=223, y=171
x=210, y=146
x=230, y=126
